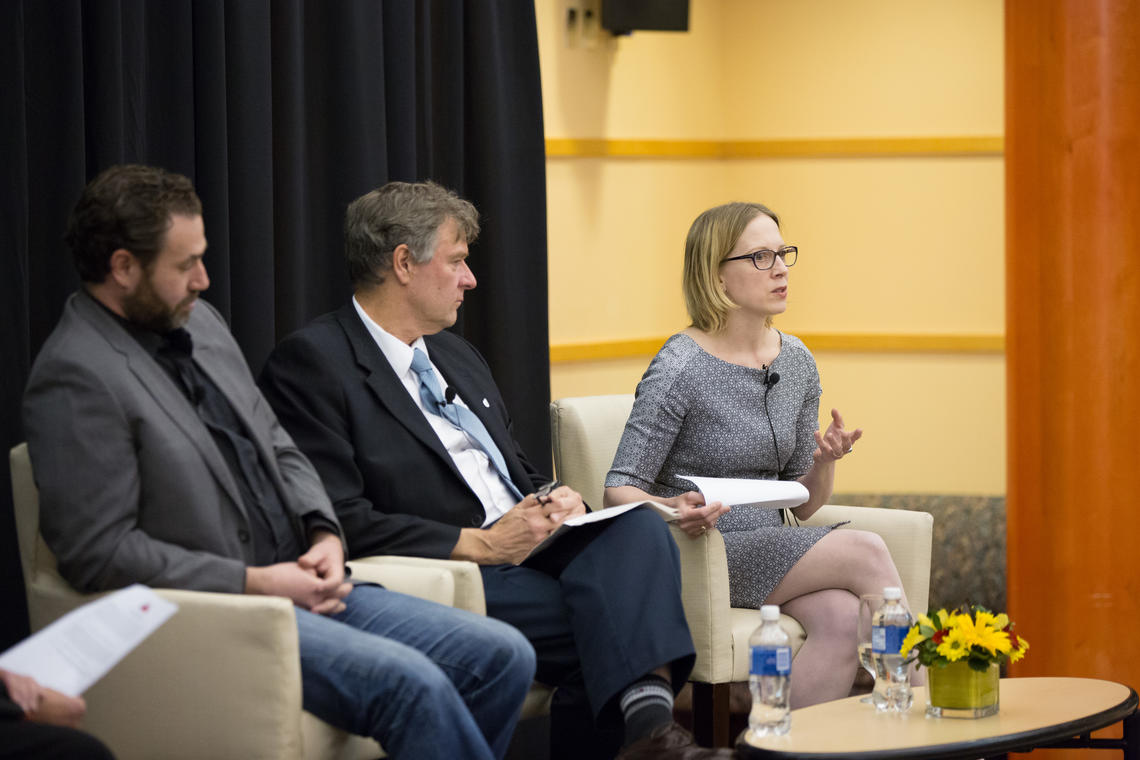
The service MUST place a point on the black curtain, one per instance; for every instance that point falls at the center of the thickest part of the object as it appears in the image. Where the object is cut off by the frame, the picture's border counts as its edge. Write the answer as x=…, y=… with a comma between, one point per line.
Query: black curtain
x=281, y=112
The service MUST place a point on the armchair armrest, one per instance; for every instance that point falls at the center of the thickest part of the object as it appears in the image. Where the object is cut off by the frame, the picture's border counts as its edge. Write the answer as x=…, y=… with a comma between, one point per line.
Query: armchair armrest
x=704, y=594
x=242, y=648
x=908, y=535
x=432, y=583
x=467, y=581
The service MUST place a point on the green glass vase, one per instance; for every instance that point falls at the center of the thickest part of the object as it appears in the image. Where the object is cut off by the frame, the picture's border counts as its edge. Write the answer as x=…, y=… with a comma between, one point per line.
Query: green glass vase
x=959, y=691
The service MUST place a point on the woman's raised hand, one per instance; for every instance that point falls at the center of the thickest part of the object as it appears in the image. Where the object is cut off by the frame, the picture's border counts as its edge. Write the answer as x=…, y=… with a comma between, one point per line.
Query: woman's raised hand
x=836, y=442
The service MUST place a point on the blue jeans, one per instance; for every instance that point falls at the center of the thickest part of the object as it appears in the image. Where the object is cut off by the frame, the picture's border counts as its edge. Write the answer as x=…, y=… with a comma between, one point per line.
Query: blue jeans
x=426, y=681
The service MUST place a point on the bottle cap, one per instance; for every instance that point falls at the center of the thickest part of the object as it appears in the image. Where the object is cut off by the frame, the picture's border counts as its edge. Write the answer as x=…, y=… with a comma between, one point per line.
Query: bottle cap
x=892, y=592
x=770, y=612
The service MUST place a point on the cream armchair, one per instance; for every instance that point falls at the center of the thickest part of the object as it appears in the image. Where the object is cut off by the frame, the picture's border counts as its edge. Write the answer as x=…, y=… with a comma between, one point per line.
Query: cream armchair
x=585, y=432
x=222, y=678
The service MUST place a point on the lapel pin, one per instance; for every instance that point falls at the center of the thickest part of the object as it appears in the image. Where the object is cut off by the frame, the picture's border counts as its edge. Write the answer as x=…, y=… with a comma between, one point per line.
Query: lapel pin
x=486, y=403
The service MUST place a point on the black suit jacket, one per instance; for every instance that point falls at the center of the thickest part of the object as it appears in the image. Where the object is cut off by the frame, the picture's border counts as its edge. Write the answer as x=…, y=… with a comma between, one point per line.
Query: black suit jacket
x=395, y=488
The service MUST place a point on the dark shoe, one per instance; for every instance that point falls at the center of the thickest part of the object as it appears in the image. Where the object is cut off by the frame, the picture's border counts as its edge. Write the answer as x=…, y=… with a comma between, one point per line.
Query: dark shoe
x=670, y=742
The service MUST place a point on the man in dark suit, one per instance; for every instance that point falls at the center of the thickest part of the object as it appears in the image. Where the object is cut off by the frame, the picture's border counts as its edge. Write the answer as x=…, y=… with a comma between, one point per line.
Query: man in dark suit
x=413, y=442
x=159, y=462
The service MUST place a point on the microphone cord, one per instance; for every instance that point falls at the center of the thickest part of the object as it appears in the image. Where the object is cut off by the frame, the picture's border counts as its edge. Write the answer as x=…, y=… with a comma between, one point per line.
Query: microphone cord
x=786, y=515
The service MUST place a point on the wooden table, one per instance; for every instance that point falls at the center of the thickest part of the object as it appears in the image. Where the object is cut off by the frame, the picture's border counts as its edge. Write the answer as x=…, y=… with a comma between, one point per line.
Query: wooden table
x=1035, y=712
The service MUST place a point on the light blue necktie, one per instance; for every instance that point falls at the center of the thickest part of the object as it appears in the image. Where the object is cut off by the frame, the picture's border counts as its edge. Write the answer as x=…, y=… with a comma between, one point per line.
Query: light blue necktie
x=459, y=416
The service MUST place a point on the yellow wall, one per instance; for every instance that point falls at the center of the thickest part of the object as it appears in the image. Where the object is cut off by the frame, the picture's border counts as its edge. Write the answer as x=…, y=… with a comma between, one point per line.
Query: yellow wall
x=891, y=244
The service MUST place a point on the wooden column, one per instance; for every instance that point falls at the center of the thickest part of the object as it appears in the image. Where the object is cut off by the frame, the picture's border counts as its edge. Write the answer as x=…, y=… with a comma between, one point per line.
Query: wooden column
x=1073, y=334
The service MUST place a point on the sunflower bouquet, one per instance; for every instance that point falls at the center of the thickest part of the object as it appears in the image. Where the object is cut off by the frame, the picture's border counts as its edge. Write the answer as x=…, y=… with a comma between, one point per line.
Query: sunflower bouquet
x=973, y=634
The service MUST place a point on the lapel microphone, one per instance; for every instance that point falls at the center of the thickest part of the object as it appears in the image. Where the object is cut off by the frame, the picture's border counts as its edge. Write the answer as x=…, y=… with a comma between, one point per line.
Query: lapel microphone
x=449, y=395
x=770, y=380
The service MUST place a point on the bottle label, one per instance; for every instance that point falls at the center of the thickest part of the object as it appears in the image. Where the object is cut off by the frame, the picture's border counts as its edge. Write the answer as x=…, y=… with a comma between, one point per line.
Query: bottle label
x=888, y=639
x=771, y=661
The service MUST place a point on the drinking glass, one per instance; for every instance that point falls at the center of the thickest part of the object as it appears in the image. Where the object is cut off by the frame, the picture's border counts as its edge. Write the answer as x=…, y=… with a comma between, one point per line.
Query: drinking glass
x=868, y=605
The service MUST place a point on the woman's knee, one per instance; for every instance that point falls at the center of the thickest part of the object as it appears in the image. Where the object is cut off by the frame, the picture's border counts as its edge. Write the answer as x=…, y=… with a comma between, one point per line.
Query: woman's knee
x=869, y=541
x=868, y=549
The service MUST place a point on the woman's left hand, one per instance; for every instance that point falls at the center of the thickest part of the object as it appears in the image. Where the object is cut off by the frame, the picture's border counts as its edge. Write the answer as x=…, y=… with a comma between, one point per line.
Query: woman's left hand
x=836, y=442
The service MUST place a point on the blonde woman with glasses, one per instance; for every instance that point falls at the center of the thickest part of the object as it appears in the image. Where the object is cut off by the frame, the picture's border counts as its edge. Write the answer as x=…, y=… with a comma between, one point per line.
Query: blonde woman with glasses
x=732, y=396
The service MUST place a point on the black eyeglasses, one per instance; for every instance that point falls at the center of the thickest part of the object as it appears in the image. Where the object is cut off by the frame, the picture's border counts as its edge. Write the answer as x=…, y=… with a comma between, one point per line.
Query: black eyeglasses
x=765, y=259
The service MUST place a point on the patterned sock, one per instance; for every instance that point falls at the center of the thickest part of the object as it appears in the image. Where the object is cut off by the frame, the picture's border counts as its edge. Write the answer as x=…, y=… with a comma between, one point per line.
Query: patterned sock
x=646, y=704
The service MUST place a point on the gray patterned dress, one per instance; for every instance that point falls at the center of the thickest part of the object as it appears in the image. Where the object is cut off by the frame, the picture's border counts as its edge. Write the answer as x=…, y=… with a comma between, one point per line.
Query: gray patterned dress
x=699, y=415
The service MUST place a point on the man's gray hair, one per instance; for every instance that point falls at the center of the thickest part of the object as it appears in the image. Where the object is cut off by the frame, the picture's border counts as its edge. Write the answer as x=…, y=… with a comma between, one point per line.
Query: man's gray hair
x=400, y=213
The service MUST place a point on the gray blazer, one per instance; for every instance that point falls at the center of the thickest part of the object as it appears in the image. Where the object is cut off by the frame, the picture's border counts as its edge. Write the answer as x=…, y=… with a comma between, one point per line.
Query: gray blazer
x=132, y=486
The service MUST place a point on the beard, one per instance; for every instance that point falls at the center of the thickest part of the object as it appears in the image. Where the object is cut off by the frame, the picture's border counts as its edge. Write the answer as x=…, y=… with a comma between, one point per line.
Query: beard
x=145, y=309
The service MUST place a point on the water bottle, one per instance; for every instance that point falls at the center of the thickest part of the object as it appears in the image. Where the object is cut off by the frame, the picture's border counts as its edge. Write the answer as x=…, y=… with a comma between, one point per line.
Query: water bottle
x=889, y=627
x=770, y=678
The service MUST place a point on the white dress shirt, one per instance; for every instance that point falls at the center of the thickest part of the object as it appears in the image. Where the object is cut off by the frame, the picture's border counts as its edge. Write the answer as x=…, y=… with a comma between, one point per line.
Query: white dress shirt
x=473, y=464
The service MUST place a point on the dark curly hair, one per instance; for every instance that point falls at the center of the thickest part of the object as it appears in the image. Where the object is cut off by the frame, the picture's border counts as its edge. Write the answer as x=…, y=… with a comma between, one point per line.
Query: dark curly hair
x=128, y=206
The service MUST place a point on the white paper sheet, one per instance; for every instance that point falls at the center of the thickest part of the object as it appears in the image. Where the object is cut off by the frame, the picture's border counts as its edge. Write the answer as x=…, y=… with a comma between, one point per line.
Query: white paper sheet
x=668, y=513
x=78, y=649
x=768, y=494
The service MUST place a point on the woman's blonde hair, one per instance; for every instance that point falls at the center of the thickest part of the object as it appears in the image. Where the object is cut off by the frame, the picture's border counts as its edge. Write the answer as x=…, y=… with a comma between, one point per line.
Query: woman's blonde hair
x=711, y=238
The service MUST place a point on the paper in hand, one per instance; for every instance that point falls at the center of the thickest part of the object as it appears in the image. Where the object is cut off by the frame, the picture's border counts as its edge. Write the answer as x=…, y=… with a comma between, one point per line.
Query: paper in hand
x=767, y=494
x=75, y=651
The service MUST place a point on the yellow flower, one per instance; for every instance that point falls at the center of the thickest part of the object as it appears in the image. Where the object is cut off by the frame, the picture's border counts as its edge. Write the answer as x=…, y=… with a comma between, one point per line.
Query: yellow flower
x=955, y=645
x=963, y=626
x=987, y=620
x=987, y=634
x=924, y=620
x=963, y=622
x=913, y=638
x=995, y=641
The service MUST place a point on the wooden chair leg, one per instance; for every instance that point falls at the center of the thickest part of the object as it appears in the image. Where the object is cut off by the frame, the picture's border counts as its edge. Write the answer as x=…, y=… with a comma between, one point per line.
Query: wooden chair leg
x=711, y=714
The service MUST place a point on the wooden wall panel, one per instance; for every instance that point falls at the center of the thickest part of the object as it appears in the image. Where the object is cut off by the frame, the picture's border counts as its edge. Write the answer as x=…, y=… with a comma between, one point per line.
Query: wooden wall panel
x=1073, y=334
